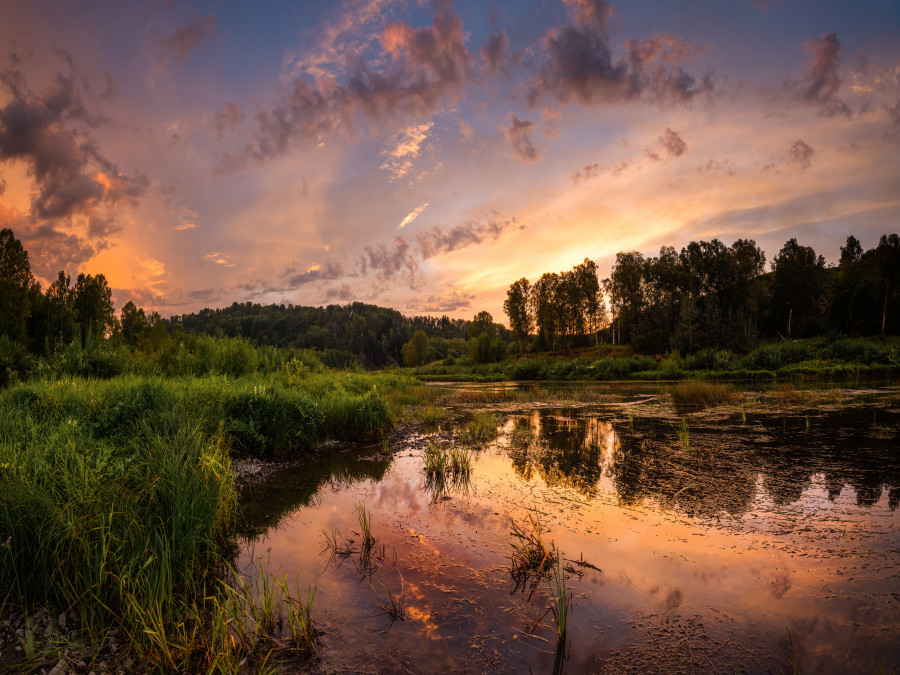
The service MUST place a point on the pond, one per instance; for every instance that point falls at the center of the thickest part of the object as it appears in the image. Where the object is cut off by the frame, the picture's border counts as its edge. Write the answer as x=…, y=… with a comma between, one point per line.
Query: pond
x=737, y=538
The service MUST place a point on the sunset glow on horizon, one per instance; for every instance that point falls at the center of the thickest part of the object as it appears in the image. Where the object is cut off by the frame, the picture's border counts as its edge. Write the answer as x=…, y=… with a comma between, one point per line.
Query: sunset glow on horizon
x=424, y=155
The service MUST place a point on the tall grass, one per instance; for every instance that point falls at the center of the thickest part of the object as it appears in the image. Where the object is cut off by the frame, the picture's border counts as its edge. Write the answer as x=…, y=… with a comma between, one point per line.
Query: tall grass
x=117, y=496
x=483, y=427
x=702, y=393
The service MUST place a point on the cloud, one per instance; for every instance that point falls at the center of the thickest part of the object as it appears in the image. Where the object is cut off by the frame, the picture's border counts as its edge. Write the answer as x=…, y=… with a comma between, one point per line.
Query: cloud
x=230, y=116
x=821, y=84
x=800, y=155
x=218, y=259
x=717, y=166
x=576, y=63
x=50, y=133
x=186, y=38
x=187, y=219
x=342, y=292
x=390, y=261
x=437, y=241
x=593, y=170
x=418, y=71
x=517, y=133
x=316, y=272
x=412, y=215
x=433, y=303
x=495, y=53
x=407, y=146
x=399, y=260
x=586, y=173
x=673, y=143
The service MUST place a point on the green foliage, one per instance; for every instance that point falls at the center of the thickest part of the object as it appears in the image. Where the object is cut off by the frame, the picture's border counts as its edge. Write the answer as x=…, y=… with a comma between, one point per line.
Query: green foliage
x=415, y=352
x=15, y=364
x=264, y=421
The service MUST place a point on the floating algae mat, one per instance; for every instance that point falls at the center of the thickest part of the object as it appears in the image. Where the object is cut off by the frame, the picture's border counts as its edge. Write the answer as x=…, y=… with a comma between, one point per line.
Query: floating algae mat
x=769, y=538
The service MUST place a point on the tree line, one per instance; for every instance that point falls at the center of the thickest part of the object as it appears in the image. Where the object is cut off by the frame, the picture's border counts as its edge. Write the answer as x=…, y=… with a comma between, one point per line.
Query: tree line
x=43, y=322
x=709, y=295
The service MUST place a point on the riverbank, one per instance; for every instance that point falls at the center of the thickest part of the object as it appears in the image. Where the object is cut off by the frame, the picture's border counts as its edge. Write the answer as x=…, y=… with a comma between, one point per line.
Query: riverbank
x=818, y=358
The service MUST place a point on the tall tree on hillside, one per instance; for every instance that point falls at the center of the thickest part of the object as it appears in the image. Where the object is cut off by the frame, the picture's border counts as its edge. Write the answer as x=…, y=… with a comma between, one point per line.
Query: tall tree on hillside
x=518, y=310
x=16, y=280
x=93, y=303
x=887, y=269
x=799, y=279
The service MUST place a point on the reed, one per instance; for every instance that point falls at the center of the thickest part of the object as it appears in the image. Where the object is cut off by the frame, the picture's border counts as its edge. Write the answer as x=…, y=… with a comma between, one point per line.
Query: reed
x=390, y=603
x=483, y=427
x=684, y=435
x=531, y=559
x=701, y=394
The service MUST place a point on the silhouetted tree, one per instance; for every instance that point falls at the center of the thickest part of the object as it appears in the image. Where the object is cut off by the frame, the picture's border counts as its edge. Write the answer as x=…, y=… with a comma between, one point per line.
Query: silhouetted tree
x=799, y=279
x=16, y=280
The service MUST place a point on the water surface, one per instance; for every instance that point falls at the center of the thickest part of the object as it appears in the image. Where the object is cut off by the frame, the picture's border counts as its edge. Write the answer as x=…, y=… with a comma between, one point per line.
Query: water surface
x=766, y=537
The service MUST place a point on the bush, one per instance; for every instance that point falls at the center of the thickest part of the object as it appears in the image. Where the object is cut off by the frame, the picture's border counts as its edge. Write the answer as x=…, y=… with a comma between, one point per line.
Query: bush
x=267, y=422
x=15, y=364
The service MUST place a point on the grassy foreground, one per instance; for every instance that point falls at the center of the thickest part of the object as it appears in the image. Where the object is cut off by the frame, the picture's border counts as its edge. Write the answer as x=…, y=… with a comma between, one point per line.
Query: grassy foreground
x=117, y=499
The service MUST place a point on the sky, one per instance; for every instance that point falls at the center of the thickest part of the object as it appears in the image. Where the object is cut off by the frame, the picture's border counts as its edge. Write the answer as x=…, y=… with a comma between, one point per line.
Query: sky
x=425, y=155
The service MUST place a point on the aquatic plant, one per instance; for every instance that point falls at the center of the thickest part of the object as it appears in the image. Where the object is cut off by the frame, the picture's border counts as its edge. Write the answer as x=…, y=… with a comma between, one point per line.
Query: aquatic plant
x=702, y=393
x=441, y=460
x=390, y=604
x=531, y=559
x=480, y=429
x=560, y=604
x=684, y=435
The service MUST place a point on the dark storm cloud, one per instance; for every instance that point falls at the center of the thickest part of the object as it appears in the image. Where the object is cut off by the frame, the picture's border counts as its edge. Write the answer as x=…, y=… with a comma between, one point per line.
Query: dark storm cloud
x=518, y=134
x=423, y=68
x=437, y=241
x=51, y=250
x=49, y=132
x=185, y=38
x=576, y=63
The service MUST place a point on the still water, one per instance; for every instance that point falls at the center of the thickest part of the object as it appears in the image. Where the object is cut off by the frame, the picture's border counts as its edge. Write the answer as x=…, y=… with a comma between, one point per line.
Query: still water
x=717, y=540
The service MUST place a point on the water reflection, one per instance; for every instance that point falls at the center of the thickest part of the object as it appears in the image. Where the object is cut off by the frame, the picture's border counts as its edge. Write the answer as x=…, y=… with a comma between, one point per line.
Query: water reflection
x=264, y=505
x=728, y=465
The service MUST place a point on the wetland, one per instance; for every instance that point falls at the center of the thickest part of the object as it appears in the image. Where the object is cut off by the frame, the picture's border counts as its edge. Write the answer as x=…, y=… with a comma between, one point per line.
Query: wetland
x=758, y=533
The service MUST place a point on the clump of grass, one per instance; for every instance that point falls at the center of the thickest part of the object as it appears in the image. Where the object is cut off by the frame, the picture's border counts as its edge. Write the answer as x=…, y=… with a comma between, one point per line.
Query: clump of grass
x=560, y=603
x=447, y=462
x=430, y=414
x=303, y=633
x=480, y=429
x=390, y=604
x=701, y=394
x=531, y=559
x=684, y=435
x=368, y=553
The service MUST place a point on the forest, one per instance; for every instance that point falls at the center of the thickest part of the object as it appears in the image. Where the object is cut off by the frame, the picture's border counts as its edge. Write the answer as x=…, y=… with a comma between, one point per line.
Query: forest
x=708, y=296
x=711, y=296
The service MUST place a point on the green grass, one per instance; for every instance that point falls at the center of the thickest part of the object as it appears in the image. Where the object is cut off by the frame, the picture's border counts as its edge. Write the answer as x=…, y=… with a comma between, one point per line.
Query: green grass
x=480, y=429
x=702, y=393
x=117, y=498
